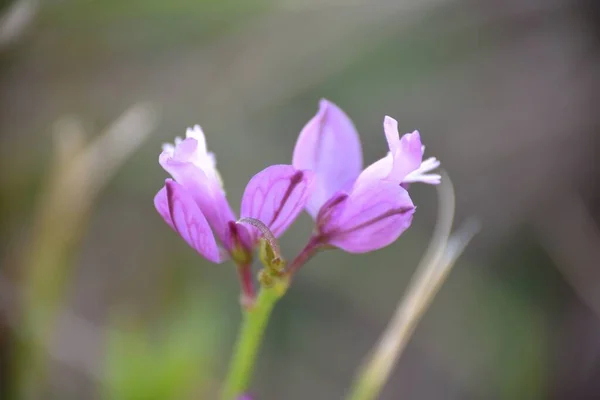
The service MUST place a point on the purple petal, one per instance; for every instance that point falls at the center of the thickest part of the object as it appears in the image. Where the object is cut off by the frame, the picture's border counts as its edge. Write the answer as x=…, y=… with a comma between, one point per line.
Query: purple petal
x=276, y=196
x=371, y=217
x=330, y=212
x=184, y=216
x=161, y=203
x=239, y=243
x=206, y=192
x=329, y=146
x=193, y=166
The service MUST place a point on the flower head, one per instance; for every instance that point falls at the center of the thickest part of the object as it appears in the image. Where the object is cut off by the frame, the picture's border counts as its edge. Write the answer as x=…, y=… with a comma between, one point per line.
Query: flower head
x=360, y=211
x=194, y=204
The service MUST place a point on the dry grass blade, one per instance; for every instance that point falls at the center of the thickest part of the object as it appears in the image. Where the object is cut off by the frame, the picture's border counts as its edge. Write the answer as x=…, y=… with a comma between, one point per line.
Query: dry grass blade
x=427, y=279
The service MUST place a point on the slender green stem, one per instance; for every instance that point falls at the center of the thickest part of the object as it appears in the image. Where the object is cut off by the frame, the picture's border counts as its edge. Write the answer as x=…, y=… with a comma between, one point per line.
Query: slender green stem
x=254, y=324
x=248, y=342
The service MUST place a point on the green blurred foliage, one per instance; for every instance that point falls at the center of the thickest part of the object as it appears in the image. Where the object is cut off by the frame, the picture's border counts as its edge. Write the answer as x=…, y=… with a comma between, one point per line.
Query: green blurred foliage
x=173, y=360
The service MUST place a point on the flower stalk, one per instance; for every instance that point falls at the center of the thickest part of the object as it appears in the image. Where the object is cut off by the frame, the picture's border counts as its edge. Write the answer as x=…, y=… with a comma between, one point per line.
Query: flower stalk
x=274, y=279
x=248, y=295
x=314, y=244
x=249, y=340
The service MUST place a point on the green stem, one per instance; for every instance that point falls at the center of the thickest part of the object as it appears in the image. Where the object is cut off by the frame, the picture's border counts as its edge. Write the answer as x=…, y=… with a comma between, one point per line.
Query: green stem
x=249, y=340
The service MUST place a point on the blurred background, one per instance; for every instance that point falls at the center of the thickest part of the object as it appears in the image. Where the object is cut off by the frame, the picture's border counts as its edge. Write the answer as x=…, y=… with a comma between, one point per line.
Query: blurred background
x=99, y=299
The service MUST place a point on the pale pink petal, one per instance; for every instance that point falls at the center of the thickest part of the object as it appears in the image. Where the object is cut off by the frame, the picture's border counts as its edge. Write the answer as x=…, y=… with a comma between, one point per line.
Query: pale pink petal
x=197, y=133
x=276, y=196
x=193, y=150
x=390, y=128
x=404, y=157
x=423, y=175
x=187, y=220
x=329, y=146
x=379, y=170
x=407, y=151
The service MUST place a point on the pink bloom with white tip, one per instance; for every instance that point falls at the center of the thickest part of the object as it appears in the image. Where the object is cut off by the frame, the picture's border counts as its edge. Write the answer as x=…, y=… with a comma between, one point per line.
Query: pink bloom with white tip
x=359, y=211
x=194, y=204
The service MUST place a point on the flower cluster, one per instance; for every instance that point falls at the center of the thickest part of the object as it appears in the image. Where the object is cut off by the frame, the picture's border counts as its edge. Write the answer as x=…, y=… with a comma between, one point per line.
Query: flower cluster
x=357, y=210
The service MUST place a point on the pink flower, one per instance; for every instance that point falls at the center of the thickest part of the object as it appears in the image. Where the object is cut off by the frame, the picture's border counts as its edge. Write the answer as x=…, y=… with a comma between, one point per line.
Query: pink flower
x=194, y=204
x=359, y=211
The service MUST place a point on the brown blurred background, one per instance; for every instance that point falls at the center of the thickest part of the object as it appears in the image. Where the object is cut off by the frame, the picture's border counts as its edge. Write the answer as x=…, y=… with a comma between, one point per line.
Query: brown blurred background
x=505, y=94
